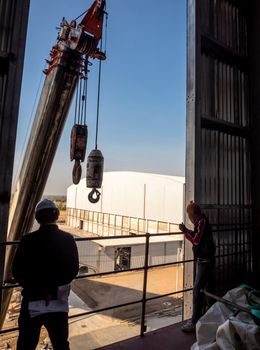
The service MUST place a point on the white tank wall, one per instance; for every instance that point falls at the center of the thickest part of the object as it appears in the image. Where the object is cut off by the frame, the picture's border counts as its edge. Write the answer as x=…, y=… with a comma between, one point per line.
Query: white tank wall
x=142, y=195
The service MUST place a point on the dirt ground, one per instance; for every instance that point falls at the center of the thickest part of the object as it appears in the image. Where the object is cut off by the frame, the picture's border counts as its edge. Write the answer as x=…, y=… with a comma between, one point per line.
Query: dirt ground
x=101, y=292
x=122, y=323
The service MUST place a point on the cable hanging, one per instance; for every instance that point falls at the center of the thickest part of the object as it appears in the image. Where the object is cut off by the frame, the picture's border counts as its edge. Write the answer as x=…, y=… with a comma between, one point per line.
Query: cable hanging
x=98, y=102
x=79, y=132
x=88, y=40
x=99, y=80
x=95, y=163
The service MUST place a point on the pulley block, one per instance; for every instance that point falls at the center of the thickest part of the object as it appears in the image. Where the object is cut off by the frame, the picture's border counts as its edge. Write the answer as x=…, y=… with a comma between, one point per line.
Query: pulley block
x=78, y=145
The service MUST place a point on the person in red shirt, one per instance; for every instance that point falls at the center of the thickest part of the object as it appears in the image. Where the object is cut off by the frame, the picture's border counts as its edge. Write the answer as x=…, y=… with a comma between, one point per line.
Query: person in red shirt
x=203, y=247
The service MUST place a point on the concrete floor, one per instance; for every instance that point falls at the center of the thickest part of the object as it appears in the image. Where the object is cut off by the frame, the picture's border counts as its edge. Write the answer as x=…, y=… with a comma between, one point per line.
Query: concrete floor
x=101, y=292
x=167, y=338
x=116, y=325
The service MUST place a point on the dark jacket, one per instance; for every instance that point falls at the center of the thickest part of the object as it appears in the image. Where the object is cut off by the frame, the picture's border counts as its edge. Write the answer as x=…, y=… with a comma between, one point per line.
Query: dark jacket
x=44, y=260
x=202, y=239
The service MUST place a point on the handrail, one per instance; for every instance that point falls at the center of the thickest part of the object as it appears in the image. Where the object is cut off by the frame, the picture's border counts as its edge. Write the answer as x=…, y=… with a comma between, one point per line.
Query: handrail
x=100, y=274
x=145, y=268
x=97, y=238
x=14, y=329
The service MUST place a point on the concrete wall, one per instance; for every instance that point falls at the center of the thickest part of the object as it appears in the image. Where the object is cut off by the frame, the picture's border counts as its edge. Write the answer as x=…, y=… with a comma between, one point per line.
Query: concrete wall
x=95, y=257
x=142, y=195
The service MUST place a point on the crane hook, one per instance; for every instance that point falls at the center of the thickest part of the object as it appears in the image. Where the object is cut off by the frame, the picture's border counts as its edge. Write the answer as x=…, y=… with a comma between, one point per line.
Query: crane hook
x=94, y=195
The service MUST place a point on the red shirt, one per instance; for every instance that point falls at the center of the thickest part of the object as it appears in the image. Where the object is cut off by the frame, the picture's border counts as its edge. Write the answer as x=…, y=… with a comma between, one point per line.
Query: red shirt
x=195, y=236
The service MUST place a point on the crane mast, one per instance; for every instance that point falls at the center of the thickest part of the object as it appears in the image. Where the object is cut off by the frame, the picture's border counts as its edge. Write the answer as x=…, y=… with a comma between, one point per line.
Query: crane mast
x=62, y=75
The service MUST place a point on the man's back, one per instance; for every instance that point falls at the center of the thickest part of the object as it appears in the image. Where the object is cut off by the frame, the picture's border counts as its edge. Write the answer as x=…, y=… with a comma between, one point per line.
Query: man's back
x=45, y=263
x=45, y=259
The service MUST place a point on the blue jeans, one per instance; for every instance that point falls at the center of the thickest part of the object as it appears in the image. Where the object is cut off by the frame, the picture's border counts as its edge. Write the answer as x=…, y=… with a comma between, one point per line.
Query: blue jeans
x=56, y=324
x=204, y=280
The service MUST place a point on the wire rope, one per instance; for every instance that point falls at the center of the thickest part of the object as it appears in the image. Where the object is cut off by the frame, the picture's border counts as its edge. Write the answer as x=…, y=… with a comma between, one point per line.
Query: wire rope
x=85, y=99
x=99, y=84
x=83, y=13
x=98, y=98
x=105, y=49
x=76, y=101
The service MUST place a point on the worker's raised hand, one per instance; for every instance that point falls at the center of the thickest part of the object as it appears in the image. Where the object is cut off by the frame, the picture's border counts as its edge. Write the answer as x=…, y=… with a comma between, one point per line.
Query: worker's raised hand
x=182, y=227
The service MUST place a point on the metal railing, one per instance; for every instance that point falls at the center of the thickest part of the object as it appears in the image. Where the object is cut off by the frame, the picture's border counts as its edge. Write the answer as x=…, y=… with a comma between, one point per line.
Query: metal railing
x=144, y=268
x=114, y=224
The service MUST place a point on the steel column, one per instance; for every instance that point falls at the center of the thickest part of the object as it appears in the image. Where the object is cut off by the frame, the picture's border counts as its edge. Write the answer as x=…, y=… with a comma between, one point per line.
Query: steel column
x=13, y=28
x=144, y=299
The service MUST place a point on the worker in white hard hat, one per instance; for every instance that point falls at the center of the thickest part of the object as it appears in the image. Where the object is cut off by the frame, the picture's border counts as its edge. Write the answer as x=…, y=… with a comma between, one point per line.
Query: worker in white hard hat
x=45, y=263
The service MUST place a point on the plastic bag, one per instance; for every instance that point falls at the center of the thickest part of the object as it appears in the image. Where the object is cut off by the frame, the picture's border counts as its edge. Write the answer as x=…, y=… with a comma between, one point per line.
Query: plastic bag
x=222, y=328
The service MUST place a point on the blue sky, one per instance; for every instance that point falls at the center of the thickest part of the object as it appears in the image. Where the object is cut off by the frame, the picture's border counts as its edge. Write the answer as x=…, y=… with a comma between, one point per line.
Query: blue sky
x=142, y=115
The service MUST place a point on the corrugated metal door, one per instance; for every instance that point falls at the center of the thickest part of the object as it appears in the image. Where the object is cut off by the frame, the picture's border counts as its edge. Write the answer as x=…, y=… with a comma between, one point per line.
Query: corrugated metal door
x=218, y=123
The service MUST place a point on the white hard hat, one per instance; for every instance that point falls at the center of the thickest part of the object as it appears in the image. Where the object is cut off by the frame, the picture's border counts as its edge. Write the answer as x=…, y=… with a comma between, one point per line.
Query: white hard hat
x=45, y=204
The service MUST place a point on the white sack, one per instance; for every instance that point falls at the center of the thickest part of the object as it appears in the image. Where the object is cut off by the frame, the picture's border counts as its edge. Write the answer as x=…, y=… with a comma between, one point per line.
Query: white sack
x=219, y=330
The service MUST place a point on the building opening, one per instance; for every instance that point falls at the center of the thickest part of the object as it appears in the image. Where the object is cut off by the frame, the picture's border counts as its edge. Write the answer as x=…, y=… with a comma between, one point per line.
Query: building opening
x=122, y=258
x=81, y=222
